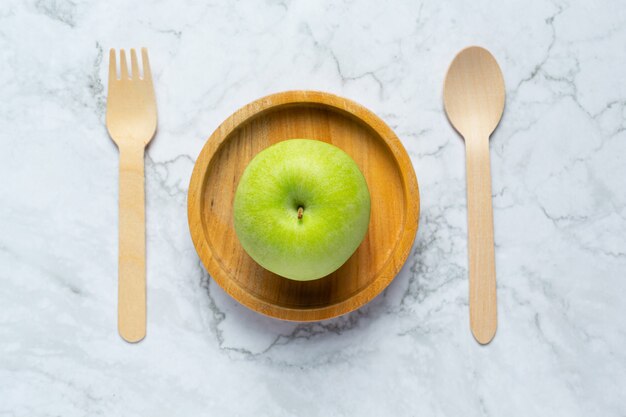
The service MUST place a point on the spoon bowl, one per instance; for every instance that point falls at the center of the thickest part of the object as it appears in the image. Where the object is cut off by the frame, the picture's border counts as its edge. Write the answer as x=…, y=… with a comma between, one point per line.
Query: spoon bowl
x=473, y=92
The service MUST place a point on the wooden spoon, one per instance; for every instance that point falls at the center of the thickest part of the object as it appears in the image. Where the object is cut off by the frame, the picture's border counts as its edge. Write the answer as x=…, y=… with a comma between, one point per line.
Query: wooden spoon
x=474, y=100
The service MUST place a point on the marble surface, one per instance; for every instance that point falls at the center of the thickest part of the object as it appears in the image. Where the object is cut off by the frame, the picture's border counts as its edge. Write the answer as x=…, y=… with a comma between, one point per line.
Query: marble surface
x=559, y=181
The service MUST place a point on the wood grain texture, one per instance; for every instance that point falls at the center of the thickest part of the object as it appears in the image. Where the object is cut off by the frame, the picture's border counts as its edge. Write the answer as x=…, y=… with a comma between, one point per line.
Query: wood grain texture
x=132, y=245
x=131, y=120
x=474, y=102
x=314, y=115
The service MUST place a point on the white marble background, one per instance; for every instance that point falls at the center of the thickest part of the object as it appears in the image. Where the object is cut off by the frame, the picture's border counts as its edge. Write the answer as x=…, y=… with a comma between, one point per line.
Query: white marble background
x=559, y=180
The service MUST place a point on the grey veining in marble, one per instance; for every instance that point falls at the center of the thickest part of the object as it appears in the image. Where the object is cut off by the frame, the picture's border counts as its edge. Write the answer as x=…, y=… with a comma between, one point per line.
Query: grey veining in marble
x=559, y=184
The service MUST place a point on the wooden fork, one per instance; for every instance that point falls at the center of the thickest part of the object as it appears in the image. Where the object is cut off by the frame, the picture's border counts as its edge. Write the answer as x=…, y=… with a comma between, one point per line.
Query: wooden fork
x=131, y=120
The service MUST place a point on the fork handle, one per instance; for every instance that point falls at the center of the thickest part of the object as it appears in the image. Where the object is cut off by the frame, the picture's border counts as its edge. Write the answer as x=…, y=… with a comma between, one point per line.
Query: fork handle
x=482, y=269
x=132, y=246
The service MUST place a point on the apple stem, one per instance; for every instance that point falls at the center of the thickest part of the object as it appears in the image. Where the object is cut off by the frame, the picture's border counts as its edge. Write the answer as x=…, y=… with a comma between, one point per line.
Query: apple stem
x=300, y=211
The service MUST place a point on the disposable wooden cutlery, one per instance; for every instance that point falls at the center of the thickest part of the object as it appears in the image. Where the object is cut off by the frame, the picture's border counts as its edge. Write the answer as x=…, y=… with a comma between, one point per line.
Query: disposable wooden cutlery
x=131, y=120
x=474, y=101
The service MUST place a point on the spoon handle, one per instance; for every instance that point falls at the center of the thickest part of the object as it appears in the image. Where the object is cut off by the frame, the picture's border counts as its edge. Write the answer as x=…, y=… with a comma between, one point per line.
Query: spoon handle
x=131, y=313
x=482, y=270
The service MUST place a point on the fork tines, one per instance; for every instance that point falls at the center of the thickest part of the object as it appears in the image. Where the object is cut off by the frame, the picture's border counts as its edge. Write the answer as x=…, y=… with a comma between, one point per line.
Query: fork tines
x=134, y=74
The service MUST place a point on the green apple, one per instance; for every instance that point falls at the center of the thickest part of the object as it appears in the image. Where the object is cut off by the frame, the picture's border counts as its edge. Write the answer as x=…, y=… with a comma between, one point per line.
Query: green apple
x=302, y=207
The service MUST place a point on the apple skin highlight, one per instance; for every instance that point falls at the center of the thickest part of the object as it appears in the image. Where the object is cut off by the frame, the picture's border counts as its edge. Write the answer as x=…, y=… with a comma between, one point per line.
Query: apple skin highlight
x=301, y=209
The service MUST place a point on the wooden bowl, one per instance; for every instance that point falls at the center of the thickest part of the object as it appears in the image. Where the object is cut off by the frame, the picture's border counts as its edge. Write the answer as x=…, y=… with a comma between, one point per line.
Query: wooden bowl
x=313, y=115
